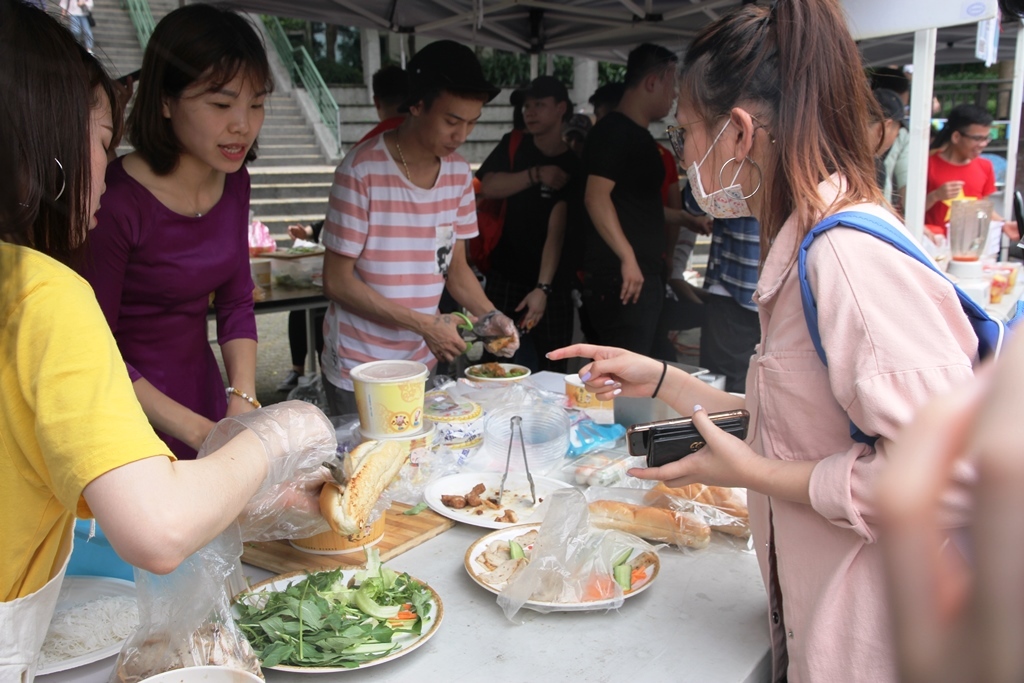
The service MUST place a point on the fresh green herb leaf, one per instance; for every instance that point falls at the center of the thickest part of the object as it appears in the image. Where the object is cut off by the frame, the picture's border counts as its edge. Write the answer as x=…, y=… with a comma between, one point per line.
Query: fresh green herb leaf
x=417, y=509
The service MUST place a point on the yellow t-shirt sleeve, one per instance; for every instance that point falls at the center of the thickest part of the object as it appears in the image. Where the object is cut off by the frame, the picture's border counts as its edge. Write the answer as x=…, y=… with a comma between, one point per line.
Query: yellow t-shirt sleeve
x=72, y=378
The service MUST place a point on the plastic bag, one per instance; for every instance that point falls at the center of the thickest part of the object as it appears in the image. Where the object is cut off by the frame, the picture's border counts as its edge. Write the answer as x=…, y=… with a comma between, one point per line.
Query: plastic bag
x=185, y=616
x=586, y=436
x=570, y=562
x=599, y=469
x=300, y=438
x=723, y=509
x=260, y=241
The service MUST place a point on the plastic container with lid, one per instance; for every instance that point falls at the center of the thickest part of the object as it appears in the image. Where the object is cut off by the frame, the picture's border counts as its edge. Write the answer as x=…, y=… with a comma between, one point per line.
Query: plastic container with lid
x=389, y=397
x=460, y=424
x=545, y=435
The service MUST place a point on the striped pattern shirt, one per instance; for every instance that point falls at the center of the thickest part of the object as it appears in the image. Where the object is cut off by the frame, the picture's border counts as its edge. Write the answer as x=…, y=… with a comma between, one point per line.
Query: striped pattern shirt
x=402, y=237
x=735, y=255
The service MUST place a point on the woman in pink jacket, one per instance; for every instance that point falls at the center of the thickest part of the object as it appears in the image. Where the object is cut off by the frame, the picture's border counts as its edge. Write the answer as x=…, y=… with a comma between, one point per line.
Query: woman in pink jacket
x=773, y=114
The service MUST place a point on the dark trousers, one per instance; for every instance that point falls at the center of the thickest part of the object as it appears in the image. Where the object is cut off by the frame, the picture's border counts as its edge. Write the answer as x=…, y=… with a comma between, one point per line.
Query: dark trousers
x=297, y=334
x=727, y=340
x=632, y=326
x=552, y=332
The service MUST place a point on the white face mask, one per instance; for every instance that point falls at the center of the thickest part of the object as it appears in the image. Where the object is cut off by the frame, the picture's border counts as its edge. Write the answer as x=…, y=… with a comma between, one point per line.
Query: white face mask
x=728, y=202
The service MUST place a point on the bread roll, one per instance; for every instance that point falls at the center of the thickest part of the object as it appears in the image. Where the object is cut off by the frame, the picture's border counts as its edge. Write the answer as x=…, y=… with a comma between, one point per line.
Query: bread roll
x=373, y=466
x=655, y=524
x=725, y=499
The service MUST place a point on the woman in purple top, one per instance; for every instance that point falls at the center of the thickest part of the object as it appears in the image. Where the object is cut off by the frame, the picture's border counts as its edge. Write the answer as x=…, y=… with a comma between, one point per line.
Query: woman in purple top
x=172, y=229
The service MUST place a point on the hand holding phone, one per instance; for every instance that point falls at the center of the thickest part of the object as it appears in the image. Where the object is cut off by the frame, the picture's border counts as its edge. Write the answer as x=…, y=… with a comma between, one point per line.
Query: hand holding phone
x=666, y=441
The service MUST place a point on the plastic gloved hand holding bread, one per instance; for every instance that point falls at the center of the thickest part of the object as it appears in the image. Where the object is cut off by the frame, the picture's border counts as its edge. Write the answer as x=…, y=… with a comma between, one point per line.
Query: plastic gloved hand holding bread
x=298, y=439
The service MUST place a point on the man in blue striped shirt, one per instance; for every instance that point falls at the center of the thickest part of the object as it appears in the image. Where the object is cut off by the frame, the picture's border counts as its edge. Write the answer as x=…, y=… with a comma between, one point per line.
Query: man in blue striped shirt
x=731, y=327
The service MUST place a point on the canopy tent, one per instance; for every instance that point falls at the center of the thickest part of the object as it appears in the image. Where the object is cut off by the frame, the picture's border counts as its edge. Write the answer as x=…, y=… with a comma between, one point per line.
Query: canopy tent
x=922, y=31
x=598, y=29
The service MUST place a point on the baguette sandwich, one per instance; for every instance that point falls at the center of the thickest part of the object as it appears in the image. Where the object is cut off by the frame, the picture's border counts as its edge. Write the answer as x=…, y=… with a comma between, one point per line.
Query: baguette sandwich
x=725, y=499
x=654, y=524
x=371, y=467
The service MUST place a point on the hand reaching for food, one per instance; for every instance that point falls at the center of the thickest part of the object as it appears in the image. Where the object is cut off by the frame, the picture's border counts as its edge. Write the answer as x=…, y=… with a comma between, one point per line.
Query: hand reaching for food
x=296, y=439
x=501, y=333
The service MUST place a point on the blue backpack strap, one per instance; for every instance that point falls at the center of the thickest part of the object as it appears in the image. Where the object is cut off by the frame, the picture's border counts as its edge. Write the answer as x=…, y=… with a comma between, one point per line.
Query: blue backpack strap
x=990, y=332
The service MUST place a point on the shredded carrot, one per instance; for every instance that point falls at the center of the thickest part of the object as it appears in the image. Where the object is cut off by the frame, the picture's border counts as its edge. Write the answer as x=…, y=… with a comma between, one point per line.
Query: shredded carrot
x=405, y=614
x=638, y=576
x=599, y=587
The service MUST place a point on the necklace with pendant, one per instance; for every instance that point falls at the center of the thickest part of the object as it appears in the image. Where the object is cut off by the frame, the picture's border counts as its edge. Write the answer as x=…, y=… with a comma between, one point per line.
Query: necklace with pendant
x=401, y=156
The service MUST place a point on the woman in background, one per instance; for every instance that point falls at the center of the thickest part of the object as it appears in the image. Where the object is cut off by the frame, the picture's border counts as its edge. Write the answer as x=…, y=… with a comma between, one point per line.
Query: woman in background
x=172, y=232
x=73, y=438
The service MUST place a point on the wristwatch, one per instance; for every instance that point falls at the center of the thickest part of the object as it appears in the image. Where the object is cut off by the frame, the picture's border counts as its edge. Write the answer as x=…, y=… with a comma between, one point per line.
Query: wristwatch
x=547, y=289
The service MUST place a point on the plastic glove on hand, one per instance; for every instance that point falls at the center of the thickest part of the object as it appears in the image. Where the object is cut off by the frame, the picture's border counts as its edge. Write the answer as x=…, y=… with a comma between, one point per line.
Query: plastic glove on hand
x=297, y=437
x=500, y=332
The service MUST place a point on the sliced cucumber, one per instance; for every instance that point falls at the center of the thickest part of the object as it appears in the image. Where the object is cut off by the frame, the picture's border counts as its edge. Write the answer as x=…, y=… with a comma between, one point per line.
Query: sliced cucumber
x=623, y=576
x=515, y=550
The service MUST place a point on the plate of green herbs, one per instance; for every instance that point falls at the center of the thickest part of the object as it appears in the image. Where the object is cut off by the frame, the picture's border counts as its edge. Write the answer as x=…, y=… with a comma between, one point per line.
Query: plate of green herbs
x=337, y=620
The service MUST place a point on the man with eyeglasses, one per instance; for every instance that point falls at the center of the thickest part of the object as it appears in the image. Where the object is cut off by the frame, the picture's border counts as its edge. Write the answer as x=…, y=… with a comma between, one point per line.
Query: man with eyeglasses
x=956, y=169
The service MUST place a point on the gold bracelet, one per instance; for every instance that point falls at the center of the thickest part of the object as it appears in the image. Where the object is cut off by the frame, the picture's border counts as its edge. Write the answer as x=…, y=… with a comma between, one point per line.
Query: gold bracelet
x=241, y=394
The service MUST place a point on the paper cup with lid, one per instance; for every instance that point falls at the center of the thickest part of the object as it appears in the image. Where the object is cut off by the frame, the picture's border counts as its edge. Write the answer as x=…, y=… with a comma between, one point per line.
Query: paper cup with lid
x=389, y=397
x=580, y=397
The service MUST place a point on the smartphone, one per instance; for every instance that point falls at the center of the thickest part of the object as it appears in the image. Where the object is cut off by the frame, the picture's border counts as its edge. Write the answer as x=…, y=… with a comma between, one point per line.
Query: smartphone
x=666, y=441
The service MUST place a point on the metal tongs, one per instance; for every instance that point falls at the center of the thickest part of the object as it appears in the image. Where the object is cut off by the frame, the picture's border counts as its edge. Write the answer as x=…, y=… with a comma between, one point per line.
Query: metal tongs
x=516, y=421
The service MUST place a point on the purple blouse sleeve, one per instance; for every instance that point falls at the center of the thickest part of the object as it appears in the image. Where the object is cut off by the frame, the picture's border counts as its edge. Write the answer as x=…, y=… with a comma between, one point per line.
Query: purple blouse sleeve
x=108, y=250
x=233, y=301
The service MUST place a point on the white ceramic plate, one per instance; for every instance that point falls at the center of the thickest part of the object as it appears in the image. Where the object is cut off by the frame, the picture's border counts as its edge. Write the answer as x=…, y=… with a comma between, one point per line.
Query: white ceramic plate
x=477, y=570
x=80, y=589
x=507, y=366
x=517, y=497
x=407, y=642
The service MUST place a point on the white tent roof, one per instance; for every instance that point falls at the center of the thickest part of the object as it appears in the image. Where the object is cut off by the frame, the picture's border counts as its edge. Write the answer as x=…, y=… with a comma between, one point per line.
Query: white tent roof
x=600, y=29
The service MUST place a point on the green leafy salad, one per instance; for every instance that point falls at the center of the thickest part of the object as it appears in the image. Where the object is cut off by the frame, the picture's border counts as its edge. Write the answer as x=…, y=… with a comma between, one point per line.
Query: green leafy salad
x=325, y=621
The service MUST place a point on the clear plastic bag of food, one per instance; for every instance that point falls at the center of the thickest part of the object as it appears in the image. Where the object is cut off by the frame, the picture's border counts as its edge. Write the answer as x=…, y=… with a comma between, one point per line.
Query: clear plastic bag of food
x=185, y=616
x=625, y=509
x=569, y=565
x=723, y=509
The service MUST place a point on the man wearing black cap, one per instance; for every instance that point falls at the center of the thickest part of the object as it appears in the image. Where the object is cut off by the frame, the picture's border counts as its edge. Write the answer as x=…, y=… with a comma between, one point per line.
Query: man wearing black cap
x=400, y=211
x=524, y=278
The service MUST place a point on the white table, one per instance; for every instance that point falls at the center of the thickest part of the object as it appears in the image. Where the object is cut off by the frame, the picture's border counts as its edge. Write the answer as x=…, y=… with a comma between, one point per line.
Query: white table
x=703, y=620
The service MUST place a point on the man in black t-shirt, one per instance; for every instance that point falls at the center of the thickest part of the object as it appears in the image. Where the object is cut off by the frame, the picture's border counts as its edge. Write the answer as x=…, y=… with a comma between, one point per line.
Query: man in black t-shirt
x=525, y=280
x=623, y=281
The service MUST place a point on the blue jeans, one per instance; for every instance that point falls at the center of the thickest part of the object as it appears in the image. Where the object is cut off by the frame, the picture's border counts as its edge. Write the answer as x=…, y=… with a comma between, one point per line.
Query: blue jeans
x=82, y=31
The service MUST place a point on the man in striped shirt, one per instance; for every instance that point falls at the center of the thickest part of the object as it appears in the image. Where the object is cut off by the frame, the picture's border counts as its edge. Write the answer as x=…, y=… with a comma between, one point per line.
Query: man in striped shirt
x=400, y=212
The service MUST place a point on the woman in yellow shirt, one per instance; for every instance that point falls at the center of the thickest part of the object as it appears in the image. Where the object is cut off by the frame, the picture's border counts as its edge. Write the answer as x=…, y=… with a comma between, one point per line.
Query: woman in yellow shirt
x=73, y=438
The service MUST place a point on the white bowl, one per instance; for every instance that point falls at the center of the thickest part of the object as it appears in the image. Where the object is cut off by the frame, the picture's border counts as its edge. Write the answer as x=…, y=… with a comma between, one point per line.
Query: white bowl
x=506, y=366
x=204, y=674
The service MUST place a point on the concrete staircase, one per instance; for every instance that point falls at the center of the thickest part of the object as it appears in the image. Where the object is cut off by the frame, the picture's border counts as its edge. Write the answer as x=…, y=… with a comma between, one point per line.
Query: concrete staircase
x=117, y=46
x=291, y=179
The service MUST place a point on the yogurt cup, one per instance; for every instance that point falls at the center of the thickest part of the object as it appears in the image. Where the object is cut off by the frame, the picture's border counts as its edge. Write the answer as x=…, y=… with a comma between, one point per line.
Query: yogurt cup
x=389, y=397
x=581, y=398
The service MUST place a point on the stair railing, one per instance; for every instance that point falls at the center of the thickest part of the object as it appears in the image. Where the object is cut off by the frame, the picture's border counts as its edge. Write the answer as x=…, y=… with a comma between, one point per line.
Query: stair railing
x=302, y=68
x=142, y=19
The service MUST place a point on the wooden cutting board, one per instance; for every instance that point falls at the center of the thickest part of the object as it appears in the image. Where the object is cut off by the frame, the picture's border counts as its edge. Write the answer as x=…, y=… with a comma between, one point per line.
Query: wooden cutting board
x=401, y=532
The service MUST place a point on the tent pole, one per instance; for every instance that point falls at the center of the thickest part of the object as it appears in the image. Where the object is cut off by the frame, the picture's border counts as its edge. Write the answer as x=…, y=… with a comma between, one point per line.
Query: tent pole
x=1013, y=139
x=920, y=125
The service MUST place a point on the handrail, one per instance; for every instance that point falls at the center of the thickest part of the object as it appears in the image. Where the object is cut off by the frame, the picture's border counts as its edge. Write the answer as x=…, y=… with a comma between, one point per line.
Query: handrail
x=283, y=47
x=309, y=75
x=142, y=19
x=302, y=68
